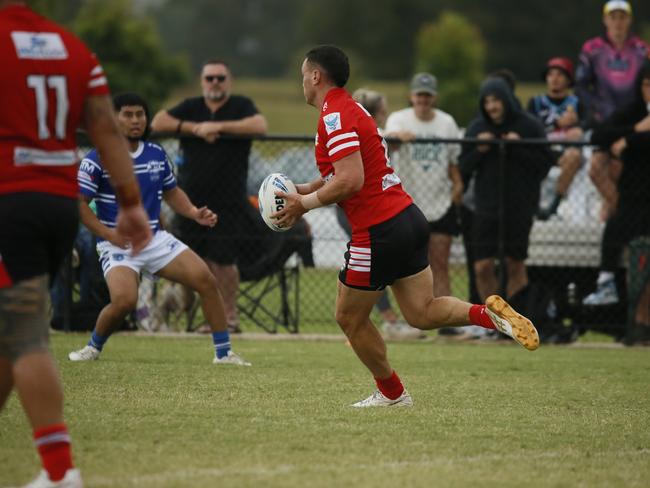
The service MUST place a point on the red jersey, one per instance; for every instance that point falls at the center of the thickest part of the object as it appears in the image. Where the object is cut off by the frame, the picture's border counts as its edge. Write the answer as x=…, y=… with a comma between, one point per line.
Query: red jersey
x=47, y=75
x=345, y=127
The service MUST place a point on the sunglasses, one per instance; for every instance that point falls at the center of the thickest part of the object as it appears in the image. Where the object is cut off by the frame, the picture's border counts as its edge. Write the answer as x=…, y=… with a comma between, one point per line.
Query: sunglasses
x=212, y=78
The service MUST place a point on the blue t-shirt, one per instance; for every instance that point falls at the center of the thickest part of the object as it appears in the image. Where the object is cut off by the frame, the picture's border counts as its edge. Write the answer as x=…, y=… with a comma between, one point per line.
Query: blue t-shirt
x=153, y=171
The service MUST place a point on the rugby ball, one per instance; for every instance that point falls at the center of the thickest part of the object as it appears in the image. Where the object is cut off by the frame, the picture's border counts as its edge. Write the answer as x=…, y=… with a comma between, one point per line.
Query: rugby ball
x=269, y=203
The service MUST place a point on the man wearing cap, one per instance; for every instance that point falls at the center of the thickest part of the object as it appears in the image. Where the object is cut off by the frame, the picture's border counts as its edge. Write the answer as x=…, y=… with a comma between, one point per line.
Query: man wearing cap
x=560, y=112
x=429, y=171
x=607, y=67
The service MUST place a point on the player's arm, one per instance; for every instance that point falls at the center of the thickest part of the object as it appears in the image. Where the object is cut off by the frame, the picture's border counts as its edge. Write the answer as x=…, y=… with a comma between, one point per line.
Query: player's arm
x=99, y=120
x=163, y=121
x=305, y=188
x=347, y=180
x=92, y=223
x=180, y=203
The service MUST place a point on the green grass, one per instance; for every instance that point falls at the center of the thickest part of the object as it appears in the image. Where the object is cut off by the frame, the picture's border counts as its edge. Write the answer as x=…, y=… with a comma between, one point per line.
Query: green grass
x=154, y=412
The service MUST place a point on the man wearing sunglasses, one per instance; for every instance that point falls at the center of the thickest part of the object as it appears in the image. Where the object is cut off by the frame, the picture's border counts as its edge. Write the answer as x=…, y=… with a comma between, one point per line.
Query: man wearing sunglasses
x=214, y=171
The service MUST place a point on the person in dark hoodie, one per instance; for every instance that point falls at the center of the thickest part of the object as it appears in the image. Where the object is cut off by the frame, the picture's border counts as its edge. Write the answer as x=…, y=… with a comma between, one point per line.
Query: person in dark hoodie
x=626, y=135
x=525, y=167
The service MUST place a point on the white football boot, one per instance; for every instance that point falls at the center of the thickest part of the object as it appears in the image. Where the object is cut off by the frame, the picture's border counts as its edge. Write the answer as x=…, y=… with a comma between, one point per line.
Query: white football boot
x=511, y=323
x=72, y=479
x=605, y=294
x=87, y=353
x=377, y=399
x=231, y=358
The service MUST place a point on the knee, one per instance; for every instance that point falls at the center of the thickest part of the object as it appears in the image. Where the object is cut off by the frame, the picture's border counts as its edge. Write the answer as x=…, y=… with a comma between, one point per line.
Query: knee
x=206, y=283
x=348, y=322
x=124, y=304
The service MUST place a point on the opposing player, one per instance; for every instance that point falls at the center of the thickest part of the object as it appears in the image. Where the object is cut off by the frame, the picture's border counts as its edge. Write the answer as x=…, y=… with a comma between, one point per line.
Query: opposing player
x=51, y=85
x=389, y=233
x=165, y=256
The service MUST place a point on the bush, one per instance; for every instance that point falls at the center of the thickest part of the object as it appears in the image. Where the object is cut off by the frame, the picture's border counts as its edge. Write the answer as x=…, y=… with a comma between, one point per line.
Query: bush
x=454, y=51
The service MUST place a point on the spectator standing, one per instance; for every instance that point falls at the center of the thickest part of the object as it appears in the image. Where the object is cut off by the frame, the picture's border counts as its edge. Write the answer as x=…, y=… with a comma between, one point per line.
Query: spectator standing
x=389, y=233
x=214, y=171
x=430, y=171
x=607, y=67
x=525, y=167
x=560, y=113
x=626, y=135
x=165, y=256
x=51, y=85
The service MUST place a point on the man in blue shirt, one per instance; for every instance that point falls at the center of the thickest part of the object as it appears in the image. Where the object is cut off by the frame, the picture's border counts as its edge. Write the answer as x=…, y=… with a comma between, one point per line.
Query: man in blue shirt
x=165, y=256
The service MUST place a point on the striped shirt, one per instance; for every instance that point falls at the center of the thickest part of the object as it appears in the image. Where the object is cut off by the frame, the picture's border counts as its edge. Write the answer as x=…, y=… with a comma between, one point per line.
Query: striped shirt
x=153, y=171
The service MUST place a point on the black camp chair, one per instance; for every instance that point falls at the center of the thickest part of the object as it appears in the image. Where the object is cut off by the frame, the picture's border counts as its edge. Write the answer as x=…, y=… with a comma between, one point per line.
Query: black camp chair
x=269, y=289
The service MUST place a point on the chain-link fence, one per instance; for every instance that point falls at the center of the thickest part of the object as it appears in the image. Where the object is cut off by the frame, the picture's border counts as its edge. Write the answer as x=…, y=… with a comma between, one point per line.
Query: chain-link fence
x=288, y=280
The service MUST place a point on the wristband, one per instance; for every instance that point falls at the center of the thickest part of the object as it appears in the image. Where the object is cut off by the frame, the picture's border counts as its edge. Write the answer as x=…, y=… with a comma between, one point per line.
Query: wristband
x=178, y=127
x=128, y=195
x=311, y=201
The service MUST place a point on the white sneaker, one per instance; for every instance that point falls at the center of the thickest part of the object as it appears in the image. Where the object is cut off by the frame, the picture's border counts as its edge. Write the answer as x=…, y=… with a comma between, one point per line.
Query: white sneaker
x=511, y=323
x=605, y=294
x=88, y=353
x=377, y=399
x=401, y=331
x=231, y=358
x=72, y=479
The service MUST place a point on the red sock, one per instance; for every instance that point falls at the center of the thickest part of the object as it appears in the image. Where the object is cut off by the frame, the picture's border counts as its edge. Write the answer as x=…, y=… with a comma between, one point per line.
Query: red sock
x=478, y=316
x=53, y=445
x=390, y=387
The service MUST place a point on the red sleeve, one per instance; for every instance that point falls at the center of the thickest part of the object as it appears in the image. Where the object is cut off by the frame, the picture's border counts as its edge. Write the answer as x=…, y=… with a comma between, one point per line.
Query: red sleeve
x=97, y=82
x=341, y=134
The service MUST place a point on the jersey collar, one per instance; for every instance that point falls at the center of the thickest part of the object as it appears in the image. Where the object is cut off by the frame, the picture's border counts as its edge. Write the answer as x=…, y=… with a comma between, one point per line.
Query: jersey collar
x=138, y=151
x=331, y=95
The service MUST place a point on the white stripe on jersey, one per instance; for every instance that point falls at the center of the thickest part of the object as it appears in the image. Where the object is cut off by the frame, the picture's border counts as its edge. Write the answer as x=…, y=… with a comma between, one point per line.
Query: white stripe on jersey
x=98, y=82
x=107, y=195
x=363, y=250
x=342, y=146
x=360, y=262
x=87, y=187
x=361, y=257
x=362, y=269
x=97, y=70
x=347, y=135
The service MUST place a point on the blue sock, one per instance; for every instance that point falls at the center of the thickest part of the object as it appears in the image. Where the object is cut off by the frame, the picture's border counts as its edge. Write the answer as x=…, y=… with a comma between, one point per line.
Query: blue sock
x=98, y=341
x=221, y=342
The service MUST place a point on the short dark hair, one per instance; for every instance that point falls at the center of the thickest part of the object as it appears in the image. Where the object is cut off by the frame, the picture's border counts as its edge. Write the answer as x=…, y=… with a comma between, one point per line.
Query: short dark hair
x=333, y=61
x=215, y=61
x=130, y=100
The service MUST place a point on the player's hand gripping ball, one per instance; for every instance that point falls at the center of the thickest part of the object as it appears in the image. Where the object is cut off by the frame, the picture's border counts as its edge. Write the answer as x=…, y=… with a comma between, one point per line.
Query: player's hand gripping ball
x=269, y=203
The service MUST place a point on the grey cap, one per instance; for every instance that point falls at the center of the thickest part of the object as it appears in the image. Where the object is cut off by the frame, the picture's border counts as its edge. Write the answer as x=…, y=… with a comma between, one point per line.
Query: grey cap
x=424, y=83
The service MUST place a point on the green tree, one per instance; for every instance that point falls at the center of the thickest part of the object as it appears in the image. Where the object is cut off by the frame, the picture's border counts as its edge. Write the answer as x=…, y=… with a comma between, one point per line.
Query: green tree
x=130, y=50
x=453, y=49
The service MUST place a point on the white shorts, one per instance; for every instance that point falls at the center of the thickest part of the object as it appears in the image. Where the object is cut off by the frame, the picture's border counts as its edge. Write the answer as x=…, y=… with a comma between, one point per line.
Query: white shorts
x=162, y=249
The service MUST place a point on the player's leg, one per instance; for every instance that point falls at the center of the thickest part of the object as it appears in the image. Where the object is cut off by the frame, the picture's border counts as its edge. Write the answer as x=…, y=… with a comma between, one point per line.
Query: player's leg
x=600, y=176
x=439, y=251
x=122, y=282
x=353, y=307
x=227, y=280
x=414, y=294
x=190, y=270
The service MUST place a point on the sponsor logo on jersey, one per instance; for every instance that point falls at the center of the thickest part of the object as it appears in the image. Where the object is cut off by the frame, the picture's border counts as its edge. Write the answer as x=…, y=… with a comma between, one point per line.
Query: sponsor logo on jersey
x=154, y=167
x=87, y=167
x=39, y=45
x=118, y=257
x=332, y=122
x=391, y=179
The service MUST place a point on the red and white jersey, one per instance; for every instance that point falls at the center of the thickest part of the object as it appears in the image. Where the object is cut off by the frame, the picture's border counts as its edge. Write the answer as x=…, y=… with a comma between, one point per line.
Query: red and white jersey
x=345, y=127
x=47, y=75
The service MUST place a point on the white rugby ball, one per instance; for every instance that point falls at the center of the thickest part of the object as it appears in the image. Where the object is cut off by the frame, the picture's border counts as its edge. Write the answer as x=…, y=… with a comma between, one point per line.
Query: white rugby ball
x=269, y=203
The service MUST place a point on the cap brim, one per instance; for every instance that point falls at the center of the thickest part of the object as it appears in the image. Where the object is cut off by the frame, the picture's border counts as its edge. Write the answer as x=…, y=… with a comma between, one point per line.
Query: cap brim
x=428, y=91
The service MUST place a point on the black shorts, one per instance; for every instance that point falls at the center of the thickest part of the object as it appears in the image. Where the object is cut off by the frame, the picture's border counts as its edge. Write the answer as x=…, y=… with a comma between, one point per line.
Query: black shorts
x=37, y=231
x=220, y=244
x=485, y=234
x=394, y=249
x=447, y=224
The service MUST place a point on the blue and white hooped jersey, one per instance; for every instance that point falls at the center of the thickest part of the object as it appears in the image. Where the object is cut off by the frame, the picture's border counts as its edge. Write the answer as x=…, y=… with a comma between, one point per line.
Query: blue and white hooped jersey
x=154, y=174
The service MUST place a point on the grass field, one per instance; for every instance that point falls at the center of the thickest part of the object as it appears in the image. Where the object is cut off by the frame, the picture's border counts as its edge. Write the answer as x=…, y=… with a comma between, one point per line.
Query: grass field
x=153, y=412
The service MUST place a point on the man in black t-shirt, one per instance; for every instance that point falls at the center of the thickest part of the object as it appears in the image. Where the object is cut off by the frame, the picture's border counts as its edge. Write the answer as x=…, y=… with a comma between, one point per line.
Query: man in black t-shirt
x=215, y=170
